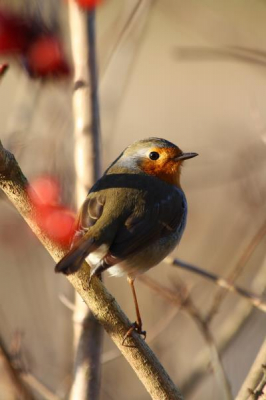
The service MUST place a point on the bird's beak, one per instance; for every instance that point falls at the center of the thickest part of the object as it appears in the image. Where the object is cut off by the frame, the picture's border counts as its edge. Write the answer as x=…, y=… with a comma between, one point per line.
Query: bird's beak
x=186, y=156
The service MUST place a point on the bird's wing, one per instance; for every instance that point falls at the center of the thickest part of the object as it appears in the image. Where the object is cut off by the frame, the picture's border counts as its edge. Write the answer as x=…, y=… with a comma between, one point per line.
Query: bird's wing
x=160, y=217
x=83, y=241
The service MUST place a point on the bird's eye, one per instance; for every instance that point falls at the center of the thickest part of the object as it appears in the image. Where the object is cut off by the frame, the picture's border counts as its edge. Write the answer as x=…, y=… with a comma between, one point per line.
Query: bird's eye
x=154, y=155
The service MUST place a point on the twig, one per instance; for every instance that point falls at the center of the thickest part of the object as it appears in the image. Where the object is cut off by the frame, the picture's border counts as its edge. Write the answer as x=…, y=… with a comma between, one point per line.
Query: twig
x=255, y=382
x=67, y=302
x=131, y=19
x=21, y=391
x=17, y=374
x=247, y=253
x=224, y=335
x=102, y=304
x=35, y=384
x=242, y=54
x=88, y=333
x=177, y=296
x=255, y=300
x=117, y=65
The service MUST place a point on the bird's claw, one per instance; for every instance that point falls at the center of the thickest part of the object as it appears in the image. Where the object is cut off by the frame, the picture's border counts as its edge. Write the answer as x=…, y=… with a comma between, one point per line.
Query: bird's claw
x=137, y=328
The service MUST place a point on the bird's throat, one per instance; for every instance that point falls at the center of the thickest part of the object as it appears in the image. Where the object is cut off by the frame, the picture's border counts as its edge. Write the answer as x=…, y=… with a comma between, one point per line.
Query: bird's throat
x=168, y=172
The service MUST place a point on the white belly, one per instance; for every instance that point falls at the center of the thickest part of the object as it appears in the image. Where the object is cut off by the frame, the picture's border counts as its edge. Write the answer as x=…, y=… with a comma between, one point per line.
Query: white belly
x=95, y=257
x=147, y=258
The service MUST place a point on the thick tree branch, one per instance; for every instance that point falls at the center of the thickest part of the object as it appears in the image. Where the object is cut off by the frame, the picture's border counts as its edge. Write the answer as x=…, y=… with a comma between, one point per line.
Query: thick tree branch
x=88, y=334
x=102, y=304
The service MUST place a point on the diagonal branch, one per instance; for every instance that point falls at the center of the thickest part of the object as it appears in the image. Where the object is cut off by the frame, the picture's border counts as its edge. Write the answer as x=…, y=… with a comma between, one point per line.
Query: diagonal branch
x=102, y=304
x=255, y=300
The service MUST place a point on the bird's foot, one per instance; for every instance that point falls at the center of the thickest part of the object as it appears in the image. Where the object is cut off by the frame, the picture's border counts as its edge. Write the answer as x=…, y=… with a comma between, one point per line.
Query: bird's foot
x=134, y=327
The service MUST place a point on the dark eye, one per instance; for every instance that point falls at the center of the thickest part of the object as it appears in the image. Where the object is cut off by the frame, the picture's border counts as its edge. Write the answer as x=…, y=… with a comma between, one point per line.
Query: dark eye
x=154, y=155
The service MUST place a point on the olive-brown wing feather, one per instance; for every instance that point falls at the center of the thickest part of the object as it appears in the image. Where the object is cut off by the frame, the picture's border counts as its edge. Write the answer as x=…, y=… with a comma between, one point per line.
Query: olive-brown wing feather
x=162, y=218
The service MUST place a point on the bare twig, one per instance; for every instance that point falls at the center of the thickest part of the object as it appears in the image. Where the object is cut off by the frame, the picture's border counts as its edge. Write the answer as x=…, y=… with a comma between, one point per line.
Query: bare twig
x=177, y=296
x=245, y=256
x=242, y=54
x=18, y=376
x=255, y=300
x=255, y=382
x=224, y=335
x=35, y=384
x=88, y=333
x=21, y=391
x=117, y=65
x=67, y=302
x=137, y=11
x=102, y=304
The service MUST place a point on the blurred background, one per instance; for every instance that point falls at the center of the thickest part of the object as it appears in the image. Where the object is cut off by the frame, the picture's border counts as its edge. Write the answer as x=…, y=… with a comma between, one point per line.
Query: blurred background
x=191, y=72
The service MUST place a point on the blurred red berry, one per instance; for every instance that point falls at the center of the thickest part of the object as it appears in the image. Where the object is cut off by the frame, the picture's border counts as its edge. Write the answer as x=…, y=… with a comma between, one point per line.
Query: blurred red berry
x=46, y=58
x=59, y=224
x=56, y=220
x=44, y=191
x=88, y=4
x=15, y=33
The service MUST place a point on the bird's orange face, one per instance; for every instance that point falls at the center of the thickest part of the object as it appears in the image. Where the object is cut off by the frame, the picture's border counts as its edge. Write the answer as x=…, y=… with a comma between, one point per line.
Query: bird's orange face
x=153, y=156
x=163, y=163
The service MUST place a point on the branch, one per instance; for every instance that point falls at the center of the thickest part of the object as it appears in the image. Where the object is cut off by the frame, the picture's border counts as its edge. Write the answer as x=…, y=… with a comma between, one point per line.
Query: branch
x=88, y=333
x=20, y=390
x=245, y=256
x=224, y=335
x=255, y=382
x=180, y=297
x=102, y=304
x=255, y=300
x=35, y=384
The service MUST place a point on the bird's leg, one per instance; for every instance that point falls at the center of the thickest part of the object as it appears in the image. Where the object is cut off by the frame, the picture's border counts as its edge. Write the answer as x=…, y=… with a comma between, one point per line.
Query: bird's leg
x=137, y=325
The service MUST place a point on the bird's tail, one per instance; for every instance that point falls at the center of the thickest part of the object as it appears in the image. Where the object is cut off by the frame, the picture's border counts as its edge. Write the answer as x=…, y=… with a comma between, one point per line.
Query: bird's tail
x=73, y=260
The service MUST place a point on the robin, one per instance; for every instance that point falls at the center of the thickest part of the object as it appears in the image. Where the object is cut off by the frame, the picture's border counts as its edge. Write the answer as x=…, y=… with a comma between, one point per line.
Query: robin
x=133, y=216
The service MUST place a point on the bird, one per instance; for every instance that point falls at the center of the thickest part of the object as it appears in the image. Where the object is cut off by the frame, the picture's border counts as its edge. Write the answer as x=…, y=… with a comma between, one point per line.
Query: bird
x=133, y=216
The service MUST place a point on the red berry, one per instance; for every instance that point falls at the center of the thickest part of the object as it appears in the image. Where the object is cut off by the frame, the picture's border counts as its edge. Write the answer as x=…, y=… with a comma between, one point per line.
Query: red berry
x=88, y=4
x=57, y=221
x=59, y=224
x=46, y=58
x=15, y=33
x=44, y=191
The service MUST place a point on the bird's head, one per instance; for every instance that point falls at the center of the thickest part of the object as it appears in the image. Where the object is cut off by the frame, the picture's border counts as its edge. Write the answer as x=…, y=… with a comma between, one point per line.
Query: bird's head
x=153, y=156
